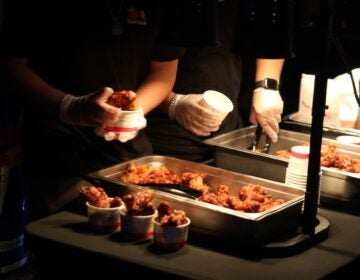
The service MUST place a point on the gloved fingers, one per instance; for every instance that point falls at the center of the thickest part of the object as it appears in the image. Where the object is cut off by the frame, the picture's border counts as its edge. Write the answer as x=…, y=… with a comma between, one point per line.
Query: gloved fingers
x=205, y=122
x=252, y=117
x=102, y=96
x=96, y=109
x=106, y=112
x=208, y=117
x=201, y=130
x=195, y=118
x=271, y=128
x=120, y=136
x=100, y=118
x=271, y=133
x=203, y=125
x=277, y=117
x=200, y=116
x=197, y=132
x=124, y=137
x=142, y=122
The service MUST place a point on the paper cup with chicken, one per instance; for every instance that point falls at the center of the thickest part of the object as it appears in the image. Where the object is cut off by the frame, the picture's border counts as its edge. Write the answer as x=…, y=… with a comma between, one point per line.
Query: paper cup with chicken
x=137, y=215
x=171, y=228
x=130, y=120
x=103, y=211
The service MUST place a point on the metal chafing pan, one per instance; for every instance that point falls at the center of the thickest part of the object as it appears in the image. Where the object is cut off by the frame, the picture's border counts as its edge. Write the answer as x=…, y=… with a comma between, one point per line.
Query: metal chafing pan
x=291, y=123
x=211, y=219
x=231, y=154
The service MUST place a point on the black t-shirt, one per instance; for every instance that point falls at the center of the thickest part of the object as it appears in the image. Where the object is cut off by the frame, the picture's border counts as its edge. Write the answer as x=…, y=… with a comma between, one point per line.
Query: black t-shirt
x=70, y=45
x=200, y=69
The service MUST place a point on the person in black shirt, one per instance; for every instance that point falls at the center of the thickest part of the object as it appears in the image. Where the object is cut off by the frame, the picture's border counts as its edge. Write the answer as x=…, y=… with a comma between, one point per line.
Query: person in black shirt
x=253, y=29
x=64, y=59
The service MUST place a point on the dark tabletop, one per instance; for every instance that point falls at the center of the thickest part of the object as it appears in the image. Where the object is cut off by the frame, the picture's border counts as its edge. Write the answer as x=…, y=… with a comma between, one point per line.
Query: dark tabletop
x=201, y=260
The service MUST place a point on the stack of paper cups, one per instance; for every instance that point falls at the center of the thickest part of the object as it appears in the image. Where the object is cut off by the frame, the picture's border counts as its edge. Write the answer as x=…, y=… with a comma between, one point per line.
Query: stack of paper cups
x=297, y=170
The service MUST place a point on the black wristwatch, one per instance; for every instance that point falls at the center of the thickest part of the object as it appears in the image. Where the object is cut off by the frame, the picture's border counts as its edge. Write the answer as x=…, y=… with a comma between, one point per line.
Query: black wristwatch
x=267, y=83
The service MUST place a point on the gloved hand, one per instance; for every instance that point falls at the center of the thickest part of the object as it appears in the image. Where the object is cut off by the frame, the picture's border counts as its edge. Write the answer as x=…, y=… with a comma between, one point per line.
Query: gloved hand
x=88, y=110
x=192, y=116
x=124, y=129
x=267, y=107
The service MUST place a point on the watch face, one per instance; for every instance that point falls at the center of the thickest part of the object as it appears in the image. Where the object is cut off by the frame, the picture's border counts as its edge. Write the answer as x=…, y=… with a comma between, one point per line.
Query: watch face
x=270, y=83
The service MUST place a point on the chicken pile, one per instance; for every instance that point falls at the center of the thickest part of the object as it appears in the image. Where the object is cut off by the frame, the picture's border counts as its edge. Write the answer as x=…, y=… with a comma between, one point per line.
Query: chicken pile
x=251, y=198
x=145, y=174
x=331, y=158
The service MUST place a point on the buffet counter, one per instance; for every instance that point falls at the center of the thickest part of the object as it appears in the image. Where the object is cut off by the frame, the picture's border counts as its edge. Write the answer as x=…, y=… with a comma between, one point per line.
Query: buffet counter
x=65, y=239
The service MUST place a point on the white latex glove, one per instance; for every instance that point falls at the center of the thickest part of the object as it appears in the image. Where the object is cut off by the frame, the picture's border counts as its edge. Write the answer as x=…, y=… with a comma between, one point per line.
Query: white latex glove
x=88, y=110
x=192, y=116
x=116, y=131
x=267, y=107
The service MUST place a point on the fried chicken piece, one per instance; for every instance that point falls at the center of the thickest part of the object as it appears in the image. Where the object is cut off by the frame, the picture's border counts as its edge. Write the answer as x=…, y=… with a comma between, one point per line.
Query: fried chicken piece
x=347, y=163
x=250, y=206
x=145, y=174
x=328, y=155
x=211, y=198
x=168, y=216
x=283, y=153
x=195, y=181
x=252, y=192
x=140, y=203
x=186, y=177
x=124, y=99
x=164, y=209
x=270, y=203
x=251, y=198
x=116, y=202
x=95, y=196
x=220, y=198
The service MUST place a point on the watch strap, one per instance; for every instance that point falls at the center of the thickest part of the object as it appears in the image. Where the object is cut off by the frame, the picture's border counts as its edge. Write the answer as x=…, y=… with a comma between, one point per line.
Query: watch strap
x=267, y=83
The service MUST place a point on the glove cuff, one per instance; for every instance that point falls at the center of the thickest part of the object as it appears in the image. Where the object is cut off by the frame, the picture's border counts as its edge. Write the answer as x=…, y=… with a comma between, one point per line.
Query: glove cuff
x=65, y=103
x=70, y=109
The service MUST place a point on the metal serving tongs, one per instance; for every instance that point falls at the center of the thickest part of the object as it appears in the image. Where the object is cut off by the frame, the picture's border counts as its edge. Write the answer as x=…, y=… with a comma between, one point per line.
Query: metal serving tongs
x=255, y=142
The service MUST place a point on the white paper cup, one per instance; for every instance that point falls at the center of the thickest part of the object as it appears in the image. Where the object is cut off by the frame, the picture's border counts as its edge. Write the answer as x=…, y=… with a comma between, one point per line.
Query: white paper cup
x=128, y=122
x=104, y=220
x=126, y=127
x=170, y=238
x=217, y=102
x=137, y=227
x=299, y=159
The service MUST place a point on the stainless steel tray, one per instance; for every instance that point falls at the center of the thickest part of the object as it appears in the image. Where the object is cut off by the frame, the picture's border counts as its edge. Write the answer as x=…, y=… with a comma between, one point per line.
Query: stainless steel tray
x=231, y=154
x=290, y=123
x=211, y=219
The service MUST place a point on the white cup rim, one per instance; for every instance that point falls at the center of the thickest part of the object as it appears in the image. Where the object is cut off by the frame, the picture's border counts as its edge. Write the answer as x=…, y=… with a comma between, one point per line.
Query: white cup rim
x=109, y=209
x=123, y=212
x=225, y=106
x=187, y=223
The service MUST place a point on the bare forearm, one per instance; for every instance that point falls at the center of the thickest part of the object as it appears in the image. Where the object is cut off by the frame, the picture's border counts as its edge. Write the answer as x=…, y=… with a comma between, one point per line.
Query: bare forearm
x=268, y=68
x=157, y=85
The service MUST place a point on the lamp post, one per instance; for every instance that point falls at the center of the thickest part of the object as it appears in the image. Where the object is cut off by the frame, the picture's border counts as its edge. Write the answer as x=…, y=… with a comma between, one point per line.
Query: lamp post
x=318, y=112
